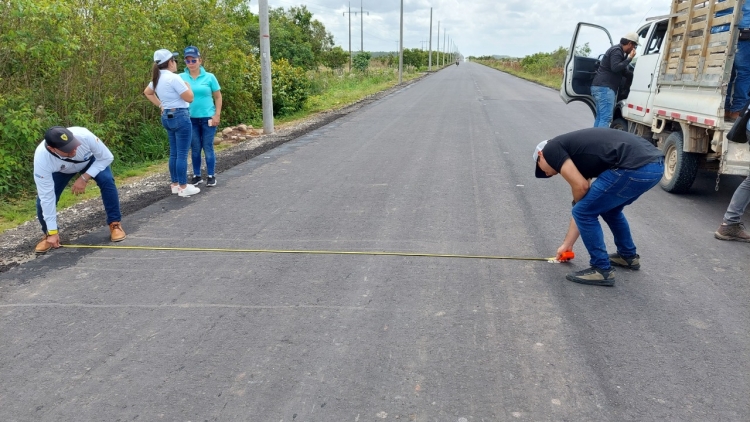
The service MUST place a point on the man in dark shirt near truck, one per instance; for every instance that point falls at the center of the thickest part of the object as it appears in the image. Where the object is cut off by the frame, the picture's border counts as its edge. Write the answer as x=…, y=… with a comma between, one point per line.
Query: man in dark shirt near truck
x=612, y=68
x=625, y=167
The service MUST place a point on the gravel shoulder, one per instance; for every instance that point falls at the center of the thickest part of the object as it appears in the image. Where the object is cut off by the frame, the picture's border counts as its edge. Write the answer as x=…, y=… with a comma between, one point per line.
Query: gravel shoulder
x=17, y=244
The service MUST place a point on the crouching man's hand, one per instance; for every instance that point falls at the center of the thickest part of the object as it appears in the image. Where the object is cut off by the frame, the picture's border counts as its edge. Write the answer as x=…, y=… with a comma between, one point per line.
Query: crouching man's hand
x=79, y=186
x=54, y=240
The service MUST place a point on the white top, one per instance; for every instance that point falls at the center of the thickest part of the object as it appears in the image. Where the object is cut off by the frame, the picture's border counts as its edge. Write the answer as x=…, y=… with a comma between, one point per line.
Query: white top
x=168, y=90
x=45, y=164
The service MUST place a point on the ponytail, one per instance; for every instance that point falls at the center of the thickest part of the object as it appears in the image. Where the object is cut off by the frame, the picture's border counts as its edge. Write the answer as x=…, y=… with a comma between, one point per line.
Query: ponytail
x=156, y=72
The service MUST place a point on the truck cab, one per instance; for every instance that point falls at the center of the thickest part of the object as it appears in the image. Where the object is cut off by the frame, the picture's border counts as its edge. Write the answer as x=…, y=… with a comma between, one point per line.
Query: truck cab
x=676, y=96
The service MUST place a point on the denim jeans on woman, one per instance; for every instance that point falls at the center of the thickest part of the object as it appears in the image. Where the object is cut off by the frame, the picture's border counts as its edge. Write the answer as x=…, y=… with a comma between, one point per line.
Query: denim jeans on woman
x=203, y=139
x=180, y=133
x=604, y=99
x=609, y=194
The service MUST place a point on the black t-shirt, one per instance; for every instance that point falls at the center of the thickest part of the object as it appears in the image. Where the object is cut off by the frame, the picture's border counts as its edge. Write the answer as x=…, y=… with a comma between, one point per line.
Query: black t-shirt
x=597, y=149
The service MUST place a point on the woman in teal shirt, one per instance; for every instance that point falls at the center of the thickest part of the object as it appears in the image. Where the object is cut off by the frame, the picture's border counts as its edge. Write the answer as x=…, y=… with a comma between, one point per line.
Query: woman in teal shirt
x=205, y=114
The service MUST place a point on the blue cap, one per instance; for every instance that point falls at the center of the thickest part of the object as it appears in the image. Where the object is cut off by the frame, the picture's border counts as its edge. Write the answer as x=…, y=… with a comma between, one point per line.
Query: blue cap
x=191, y=51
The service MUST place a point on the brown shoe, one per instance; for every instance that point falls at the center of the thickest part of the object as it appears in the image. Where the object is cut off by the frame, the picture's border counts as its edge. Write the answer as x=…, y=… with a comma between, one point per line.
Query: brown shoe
x=116, y=233
x=734, y=115
x=43, y=246
x=732, y=232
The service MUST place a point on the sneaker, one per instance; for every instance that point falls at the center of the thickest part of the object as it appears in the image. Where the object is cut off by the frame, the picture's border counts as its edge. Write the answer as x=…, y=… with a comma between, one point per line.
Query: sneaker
x=43, y=246
x=593, y=276
x=116, y=233
x=175, y=188
x=211, y=181
x=196, y=180
x=189, y=190
x=633, y=263
x=732, y=232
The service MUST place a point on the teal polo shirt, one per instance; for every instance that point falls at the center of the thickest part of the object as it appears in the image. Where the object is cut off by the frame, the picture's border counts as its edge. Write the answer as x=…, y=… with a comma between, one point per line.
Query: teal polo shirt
x=203, y=88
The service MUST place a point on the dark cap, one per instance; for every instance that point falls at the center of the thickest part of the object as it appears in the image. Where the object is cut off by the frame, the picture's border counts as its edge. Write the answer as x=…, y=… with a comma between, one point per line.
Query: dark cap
x=191, y=51
x=61, y=138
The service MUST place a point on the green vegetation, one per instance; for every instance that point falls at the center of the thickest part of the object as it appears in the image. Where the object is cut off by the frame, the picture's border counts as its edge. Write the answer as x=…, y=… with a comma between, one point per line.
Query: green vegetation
x=543, y=68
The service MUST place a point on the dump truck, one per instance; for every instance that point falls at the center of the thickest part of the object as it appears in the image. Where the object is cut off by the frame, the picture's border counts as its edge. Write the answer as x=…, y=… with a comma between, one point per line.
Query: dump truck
x=677, y=93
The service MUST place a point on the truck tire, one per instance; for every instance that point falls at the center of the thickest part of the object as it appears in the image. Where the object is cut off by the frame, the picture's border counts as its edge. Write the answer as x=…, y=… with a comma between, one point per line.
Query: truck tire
x=619, y=124
x=680, y=167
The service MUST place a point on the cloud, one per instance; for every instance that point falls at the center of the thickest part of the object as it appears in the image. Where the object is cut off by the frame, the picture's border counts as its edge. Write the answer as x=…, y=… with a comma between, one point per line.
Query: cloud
x=478, y=27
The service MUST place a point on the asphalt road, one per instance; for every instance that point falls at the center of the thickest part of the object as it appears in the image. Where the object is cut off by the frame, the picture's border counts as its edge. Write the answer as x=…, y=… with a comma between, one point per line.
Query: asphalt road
x=443, y=166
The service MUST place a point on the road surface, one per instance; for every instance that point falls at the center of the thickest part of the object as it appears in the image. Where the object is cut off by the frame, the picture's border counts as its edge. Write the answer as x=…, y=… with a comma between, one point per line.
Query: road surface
x=443, y=166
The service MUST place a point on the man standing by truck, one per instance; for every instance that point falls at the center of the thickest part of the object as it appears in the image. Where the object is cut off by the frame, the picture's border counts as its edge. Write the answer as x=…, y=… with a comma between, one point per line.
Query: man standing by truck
x=612, y=68
x=625, y=166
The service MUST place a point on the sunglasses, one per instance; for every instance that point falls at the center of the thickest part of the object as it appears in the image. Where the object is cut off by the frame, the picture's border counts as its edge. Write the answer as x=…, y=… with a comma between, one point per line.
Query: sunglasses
x=191, y=61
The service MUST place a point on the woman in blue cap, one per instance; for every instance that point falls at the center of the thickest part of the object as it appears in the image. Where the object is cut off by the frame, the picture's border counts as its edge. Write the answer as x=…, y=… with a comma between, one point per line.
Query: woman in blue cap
x=205, y=114
x=173, y=96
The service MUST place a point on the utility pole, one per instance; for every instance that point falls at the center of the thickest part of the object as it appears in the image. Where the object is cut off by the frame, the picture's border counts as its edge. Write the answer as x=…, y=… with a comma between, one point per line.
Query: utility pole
x=444, y=36
x=429, y=60
x=401, y=47
x=265, y=67
x=438, y=45
x=350, y=35
x=362, y=26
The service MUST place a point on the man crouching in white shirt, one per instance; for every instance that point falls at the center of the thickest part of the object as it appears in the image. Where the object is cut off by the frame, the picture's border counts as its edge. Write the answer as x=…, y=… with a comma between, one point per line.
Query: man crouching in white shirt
x=64, y=153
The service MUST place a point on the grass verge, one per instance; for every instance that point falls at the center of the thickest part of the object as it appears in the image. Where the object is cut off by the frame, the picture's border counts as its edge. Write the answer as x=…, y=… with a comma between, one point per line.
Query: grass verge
x=551, y=79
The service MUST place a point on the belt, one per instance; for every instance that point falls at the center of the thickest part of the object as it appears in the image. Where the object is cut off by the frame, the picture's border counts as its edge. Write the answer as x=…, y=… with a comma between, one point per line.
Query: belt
x=171, y=110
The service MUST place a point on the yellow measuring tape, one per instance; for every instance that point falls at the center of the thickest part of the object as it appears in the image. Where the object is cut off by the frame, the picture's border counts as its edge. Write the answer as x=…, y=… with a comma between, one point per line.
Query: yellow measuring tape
x=377, y=253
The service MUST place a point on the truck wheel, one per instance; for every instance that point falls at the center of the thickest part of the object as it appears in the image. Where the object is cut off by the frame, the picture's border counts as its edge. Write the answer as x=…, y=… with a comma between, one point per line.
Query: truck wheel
x=680, y=167
x=619, y=124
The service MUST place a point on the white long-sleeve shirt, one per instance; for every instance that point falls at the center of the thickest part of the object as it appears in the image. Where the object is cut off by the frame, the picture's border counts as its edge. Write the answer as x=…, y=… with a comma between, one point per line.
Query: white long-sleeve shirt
x=45, y=164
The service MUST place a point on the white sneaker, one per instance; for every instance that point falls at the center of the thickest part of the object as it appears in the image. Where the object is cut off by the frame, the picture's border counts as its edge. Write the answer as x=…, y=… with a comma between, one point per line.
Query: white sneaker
x=189, y=190
x=175, y=188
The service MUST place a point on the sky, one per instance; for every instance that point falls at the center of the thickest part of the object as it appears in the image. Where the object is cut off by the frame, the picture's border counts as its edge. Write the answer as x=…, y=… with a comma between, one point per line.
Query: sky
x=515, y=28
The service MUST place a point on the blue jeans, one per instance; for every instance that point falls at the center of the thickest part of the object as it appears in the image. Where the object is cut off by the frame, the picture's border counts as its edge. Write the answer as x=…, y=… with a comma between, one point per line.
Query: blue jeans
x=180, y=132
x=604, y=98
x=203, y=139
x=740, y=80
x=609, y=194
x=106, y=183
x=739, y=202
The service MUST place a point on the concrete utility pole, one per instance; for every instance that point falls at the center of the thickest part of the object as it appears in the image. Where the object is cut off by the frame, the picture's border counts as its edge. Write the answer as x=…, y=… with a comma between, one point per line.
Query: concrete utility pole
x=401, y=47
x=265, y=67
x=429, y=60
x=444, y=36
x=350, y=35
x=438, y=47
x=362, y=26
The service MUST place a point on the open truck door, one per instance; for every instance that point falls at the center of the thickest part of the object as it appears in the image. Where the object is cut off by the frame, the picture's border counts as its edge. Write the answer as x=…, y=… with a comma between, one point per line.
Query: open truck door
x=580, y=68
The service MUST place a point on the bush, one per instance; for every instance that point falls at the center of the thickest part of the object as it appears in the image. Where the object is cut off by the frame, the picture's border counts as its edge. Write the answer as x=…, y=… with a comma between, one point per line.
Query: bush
x=361, y=61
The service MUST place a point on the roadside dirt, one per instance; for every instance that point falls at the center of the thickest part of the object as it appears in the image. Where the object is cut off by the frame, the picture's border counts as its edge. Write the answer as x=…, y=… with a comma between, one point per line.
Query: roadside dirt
x=17, y=245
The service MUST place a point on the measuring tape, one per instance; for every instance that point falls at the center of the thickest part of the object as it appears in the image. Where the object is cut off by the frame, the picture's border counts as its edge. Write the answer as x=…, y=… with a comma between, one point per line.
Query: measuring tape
x=566, y=256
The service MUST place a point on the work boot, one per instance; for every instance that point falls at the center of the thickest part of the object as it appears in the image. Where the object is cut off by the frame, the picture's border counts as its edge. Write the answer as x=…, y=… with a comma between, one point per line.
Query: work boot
x=593, y=276
x=116, y=233
x=42, y=247
x=734, y=115
x=632, y=263
x=734, y=231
